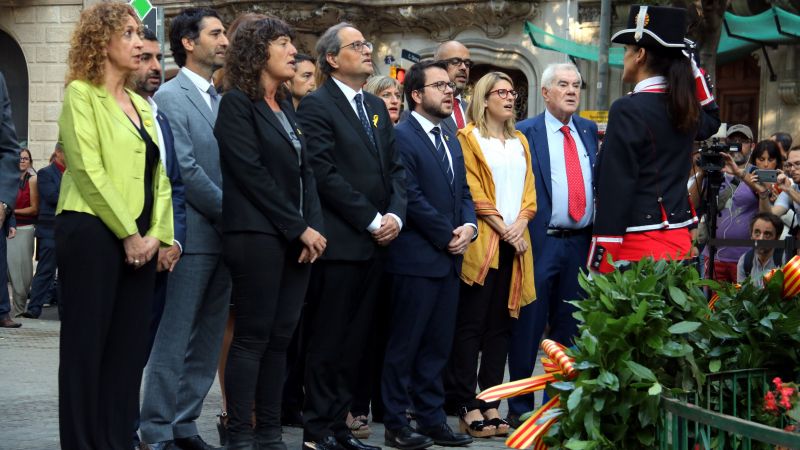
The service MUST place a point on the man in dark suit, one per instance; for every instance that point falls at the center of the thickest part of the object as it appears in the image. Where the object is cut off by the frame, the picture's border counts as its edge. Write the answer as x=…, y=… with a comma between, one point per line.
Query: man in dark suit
x=183, y=361
x=42, y=286
x=563, y=146
x=425, y=262
x=456, y=56
x=9, y=177
x=147, y=80
x=360, y=179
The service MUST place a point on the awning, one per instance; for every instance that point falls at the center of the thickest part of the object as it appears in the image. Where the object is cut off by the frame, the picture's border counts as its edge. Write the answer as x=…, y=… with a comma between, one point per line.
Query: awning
x=740, y=36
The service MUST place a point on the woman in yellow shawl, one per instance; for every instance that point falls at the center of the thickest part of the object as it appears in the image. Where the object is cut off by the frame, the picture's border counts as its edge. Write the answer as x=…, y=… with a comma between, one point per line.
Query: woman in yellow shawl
x=498, y=267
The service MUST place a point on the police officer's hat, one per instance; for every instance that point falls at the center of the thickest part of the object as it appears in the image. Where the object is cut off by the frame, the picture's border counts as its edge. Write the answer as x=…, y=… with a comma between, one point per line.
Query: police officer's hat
x=653, y=26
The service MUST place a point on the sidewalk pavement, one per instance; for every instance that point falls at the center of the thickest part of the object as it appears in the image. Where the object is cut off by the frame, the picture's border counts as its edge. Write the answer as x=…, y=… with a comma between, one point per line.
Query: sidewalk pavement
x=29, y=393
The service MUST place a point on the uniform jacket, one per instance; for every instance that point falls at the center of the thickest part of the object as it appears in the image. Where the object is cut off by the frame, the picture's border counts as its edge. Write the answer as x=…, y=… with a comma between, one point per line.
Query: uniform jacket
x=9, y=150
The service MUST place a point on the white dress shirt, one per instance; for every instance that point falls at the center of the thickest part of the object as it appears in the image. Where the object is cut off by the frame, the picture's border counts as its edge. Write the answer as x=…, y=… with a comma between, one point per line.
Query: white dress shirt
x=350, y=95
x=201, y=83
x=507, y=163
x=558, y=175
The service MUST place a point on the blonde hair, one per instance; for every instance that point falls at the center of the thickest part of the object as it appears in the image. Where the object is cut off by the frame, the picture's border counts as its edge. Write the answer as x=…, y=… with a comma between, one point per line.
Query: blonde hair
x=476, y=112
x=93, y=32
x=379, y=83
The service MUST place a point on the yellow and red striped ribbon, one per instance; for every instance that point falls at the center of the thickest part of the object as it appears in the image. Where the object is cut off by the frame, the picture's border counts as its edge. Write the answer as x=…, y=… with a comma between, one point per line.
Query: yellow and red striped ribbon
x=533, y=429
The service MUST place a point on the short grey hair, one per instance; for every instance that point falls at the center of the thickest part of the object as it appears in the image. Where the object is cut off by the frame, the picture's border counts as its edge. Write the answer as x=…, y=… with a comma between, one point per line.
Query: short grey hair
x=377, y=84
x=329, y=43
x=549, y=74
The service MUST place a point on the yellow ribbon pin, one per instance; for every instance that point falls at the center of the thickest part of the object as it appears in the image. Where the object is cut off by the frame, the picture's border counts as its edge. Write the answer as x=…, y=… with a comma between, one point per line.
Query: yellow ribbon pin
x=298, y=132
x=375, y=121
x=147, y=122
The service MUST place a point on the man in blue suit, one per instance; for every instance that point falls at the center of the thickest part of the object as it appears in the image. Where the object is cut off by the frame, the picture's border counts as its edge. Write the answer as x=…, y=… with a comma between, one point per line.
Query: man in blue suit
x=42, y=286
x=425, y=262
x=563, y=148
x=147, y=80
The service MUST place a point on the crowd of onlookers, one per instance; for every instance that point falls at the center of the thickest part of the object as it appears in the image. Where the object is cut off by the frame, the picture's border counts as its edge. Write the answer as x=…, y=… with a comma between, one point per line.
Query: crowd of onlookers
x=335, y=257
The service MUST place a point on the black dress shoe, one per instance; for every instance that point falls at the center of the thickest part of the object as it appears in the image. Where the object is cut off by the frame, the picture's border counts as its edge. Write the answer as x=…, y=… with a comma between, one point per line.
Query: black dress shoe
x=329, y=443
x=193, y=443
x=443, y=435
x=8, y=323
x=406, y=439
x=350, y=442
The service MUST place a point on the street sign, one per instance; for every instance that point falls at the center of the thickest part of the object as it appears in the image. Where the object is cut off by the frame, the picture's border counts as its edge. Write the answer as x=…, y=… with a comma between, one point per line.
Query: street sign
x=142, y=8
x=151, y=20
x=600, y=117
x=411, y=56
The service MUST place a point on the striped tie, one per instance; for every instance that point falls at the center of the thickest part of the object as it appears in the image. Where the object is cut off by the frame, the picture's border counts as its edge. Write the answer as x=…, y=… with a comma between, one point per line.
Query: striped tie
x=442, y=154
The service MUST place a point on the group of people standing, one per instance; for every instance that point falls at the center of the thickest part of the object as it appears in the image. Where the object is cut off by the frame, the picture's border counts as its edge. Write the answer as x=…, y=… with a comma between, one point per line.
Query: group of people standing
x=180, y=205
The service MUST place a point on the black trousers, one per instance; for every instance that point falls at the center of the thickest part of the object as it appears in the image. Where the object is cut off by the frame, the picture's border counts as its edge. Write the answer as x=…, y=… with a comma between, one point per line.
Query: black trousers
x=483, y=326
x=268, y=289
x=104, y=334
x=346, y=293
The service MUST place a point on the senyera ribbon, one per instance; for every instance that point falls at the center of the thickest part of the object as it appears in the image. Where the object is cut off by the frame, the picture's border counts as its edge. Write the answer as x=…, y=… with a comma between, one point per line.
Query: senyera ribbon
x=533, y=429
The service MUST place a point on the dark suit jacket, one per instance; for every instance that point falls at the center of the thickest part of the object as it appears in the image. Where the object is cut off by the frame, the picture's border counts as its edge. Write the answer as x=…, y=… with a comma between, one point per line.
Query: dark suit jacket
x=535, y=131
x=49, y=183
x=174, y=175
x=9, y=150
x=261, y=173
x=355, y=180
x=435, y=207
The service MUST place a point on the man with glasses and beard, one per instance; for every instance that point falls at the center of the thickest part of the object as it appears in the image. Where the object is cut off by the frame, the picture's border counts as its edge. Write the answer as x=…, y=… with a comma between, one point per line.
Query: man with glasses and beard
x=425, y=262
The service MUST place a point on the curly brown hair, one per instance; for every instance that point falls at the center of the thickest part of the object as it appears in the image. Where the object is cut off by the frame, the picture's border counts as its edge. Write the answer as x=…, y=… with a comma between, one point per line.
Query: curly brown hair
x=89, y=43
x=248, y=54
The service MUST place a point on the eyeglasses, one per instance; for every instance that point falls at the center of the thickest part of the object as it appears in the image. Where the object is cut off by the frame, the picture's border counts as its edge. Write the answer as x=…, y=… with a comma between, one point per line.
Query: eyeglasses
x=504, y=93
x=359, y=46
x=458, y=61
x=24, y=158
x=441, y=85
x=388, y=95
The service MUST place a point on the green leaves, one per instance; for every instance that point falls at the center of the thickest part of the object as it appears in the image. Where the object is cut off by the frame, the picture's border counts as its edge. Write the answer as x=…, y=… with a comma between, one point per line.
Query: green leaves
x=641, y=372
x=683, y=327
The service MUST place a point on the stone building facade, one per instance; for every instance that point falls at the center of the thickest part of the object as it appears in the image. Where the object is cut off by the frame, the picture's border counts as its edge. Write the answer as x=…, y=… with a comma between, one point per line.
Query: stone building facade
x=34, y=38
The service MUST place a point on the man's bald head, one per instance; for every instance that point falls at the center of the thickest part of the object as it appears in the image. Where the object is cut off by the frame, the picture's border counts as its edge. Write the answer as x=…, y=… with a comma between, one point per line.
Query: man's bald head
x=456, y=55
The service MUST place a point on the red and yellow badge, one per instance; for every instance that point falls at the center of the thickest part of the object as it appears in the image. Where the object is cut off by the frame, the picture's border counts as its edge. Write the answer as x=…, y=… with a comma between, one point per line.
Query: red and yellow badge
x=646, y=19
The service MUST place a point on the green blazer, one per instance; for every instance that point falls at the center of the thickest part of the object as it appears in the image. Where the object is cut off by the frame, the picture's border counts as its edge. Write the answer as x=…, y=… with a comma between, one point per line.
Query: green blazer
x=105, y=162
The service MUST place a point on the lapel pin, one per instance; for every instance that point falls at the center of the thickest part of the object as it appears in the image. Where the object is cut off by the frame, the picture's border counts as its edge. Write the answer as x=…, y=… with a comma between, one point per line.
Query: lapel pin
x=147, y=122
x=375, y=121
x=298, y=132
x=447, y=138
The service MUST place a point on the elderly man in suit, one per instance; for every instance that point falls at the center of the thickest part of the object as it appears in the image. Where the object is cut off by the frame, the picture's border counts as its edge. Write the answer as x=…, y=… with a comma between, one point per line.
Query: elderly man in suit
x=360, y=179
x=425, y=262
x=9, y=177
x=564, y=148
x=184, y=357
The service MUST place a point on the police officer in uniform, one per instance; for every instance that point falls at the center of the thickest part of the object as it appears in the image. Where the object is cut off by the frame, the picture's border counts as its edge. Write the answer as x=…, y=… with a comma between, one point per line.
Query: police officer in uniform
x=642, y=207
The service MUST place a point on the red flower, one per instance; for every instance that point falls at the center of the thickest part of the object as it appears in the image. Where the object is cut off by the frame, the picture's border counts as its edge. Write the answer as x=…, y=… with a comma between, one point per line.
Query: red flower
x=769, y=402
x=777, y=381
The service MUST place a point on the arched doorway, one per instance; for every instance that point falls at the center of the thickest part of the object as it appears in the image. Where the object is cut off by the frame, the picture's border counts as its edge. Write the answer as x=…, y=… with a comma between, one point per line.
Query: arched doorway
x=15, y=71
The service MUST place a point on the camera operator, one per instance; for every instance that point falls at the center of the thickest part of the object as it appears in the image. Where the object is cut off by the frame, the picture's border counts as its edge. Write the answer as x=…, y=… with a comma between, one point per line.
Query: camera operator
x=737, y=202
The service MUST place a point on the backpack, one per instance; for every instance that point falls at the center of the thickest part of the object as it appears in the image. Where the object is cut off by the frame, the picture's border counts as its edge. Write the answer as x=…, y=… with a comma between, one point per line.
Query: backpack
x=777, y=259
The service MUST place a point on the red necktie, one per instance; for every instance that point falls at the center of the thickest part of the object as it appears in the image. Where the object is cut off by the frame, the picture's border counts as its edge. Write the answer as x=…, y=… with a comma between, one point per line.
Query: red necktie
x=577, y=193
x=459, y=114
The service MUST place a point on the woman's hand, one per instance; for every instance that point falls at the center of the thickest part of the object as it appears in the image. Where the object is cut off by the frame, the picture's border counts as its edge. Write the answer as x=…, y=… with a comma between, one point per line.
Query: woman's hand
x=139, y=250
x=313, y=245
x=520, y=246
x=516, y=231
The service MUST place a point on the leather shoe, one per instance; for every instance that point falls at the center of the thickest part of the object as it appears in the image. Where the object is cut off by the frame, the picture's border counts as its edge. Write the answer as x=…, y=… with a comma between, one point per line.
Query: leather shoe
x=166, y=445
x=8, y=323
x=406, y=438
x=328, y=443
x=443, y=435
x=193, y=443
x=29, y=315
x=350, y=442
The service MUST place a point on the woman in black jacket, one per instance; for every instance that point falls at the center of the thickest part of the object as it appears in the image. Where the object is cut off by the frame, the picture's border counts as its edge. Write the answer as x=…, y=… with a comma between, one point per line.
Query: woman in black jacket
x=271, y=223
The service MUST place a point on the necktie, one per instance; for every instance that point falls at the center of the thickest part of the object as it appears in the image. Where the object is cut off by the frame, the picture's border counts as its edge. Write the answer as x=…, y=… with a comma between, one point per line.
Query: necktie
x=459, y=115
x=214, y=98
x=362, y=116
x=577, y=194
x=441, y=153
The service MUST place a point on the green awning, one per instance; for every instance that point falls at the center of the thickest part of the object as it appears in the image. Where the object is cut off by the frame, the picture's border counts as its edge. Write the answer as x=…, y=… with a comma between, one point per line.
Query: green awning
x=740, y=35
